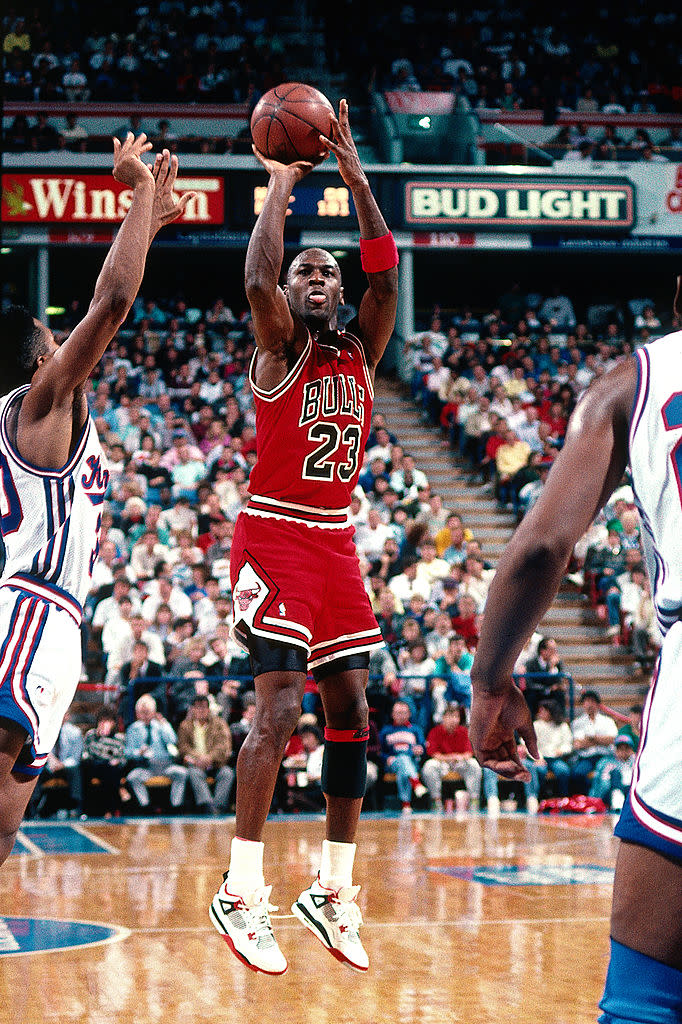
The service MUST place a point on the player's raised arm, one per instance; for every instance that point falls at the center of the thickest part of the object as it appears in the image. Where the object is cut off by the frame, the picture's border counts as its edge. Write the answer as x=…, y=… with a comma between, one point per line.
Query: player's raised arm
x=118, y=284
x=274, y=327
x=379, y=254
x=585, y=473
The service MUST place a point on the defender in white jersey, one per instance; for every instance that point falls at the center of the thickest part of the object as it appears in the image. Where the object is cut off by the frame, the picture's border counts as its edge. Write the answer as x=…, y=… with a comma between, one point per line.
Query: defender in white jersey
x=633, y=414
x=52, y=486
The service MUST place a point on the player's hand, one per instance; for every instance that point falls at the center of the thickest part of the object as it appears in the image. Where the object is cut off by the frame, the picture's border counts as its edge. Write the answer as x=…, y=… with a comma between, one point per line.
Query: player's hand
x=168, y=206
x=343, y=146
x=129, y=168
x=494, y=720
x=295, y=171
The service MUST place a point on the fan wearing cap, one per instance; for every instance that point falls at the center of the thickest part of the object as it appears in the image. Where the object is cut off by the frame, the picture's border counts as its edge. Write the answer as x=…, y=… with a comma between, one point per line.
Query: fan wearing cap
x=613, y=774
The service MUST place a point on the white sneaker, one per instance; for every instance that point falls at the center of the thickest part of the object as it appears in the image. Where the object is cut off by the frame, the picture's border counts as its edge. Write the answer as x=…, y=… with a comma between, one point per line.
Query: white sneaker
x=244, y=923
x=334, y=917
x=420, y=790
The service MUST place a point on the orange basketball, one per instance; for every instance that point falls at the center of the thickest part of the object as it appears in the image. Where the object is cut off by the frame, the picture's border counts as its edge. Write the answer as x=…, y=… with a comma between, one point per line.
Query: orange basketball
x=288, y=120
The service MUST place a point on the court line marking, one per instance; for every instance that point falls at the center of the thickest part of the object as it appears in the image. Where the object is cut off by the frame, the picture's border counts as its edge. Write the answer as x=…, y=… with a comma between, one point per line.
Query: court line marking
x=83, y=831
x=32, y=850
x=120, y=933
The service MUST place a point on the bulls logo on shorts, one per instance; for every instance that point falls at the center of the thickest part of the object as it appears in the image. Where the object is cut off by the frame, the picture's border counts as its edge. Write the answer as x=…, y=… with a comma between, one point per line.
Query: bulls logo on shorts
x=245, y=596
x=249, y=594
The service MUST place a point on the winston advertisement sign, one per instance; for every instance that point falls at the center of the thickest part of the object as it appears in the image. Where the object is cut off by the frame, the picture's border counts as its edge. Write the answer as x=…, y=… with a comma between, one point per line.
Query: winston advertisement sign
x=96, y=199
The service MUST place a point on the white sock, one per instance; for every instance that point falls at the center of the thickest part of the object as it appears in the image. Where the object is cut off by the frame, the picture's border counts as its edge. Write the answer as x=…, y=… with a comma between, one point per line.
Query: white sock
x=246, y=866
x=336, y=867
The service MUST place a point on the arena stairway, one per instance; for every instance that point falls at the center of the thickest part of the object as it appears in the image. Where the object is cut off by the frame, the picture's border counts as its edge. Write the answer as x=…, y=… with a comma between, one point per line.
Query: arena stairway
x=586, y=651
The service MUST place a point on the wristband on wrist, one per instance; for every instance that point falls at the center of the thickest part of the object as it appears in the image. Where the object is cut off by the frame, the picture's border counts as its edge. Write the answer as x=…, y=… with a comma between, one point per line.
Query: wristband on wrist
x=378, y=254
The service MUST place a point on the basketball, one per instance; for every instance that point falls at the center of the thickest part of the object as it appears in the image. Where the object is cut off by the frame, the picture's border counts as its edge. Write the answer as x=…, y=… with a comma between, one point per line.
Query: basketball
x=288, y=120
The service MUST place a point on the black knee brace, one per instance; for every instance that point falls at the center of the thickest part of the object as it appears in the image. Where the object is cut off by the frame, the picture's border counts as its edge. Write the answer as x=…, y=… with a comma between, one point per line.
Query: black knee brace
x=271, y=656
x=344, y=765
x=347, y=664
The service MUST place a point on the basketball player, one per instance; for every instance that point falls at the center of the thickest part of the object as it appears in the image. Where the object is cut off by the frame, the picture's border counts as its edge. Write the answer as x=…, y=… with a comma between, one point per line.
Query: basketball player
x=53, y=482
x=634, y=414
x=299, y=601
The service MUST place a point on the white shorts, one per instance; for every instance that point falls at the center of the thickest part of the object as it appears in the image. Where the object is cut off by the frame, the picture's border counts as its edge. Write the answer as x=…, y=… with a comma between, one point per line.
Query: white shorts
x=40, y=663
x=652, y=816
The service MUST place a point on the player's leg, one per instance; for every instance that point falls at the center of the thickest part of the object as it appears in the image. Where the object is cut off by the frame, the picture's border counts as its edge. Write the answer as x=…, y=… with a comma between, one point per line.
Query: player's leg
x=240, y=907
x=328, y=907
x=644, y=981
x=15, y=788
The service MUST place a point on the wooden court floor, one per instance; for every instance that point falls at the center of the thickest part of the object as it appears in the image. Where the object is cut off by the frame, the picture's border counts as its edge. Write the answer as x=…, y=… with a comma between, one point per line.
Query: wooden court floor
x=467, y=920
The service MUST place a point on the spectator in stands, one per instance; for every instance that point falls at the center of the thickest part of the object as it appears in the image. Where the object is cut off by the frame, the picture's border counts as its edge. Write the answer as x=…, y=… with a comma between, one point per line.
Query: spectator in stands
x=75, y=83
x=416, y=672
x=103, y=759
x=151, y=749
x=448, y=750
x=64, y=762
x=402, y=745
x=17, y=38
x=139, y=676
x=593, y=735
x=467, y=621
x=613, y=773
x=452, y=676
x=555, y=743
x=558, y=310
x=545, y=679
x=240, y=730
x=205, y=747
x=74, y=133
x=303, y=772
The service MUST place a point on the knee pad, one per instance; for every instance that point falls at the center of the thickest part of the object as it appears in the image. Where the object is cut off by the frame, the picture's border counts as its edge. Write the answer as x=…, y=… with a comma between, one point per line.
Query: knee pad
x=271, y=656
x=347, y=664
x=344, y=765
x=640, y=989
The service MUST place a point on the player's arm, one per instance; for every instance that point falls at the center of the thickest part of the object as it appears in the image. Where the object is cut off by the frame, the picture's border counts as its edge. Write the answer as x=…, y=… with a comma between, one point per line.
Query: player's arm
x=530, y=572
x=379, y=303
x=274, y=327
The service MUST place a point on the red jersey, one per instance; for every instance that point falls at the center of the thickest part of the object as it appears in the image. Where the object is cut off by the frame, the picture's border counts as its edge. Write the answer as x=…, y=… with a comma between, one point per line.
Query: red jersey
x=311, y=432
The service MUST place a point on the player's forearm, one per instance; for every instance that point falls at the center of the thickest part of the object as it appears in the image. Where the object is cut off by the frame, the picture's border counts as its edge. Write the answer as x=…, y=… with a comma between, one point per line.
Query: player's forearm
x=524, y=586
x=265, y=252
x=121, y=276
x=372, y=225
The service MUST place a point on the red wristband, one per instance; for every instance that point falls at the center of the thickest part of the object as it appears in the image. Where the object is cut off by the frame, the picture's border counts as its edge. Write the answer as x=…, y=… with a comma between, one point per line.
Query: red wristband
x=378, y=254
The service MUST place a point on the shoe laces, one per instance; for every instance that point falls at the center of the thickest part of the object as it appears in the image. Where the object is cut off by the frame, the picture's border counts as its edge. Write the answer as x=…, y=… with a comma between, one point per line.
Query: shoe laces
x=258, y=907
x=344, y=900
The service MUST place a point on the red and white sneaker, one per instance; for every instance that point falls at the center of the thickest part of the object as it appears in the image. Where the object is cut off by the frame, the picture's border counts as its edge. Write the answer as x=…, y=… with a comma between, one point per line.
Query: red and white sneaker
x=335, y=918
x=244, y=922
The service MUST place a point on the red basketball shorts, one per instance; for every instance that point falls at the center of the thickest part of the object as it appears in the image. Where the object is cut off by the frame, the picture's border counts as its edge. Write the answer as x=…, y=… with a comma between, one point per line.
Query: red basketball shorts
x=300, y=585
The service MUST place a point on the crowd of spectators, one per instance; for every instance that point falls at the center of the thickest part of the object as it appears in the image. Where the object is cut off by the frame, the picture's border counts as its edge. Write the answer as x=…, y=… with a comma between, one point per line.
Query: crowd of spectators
x=166, y=52
x=173, y=409
x=614, y=59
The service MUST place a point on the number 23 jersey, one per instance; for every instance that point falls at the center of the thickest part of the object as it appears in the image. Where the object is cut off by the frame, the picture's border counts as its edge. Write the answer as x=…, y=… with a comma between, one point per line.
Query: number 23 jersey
x=311, y=430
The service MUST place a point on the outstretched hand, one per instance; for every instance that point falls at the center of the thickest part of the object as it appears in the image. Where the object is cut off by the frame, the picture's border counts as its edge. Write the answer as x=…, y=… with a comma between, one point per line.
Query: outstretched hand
x=168, y=206
x=343, y=146
x=494, y=720
x=296, y=170
x=129, y=168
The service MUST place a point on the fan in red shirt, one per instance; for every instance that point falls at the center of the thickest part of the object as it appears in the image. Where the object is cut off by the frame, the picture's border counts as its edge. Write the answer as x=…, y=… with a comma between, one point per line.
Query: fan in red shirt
x=449, y=750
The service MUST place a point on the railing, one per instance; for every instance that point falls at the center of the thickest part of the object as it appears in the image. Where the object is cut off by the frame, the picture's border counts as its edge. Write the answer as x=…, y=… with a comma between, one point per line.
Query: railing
x=110, y=692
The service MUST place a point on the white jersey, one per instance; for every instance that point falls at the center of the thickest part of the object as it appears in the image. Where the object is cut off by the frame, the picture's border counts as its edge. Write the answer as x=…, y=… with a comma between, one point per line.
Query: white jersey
x=652, y=816
x=656, y=464
x=50, y=520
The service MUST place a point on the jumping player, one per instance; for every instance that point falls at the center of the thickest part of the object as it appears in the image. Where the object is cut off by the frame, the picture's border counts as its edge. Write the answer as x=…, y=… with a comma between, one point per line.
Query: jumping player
x=634, y=414
x=299, y=601
x=53, y=481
